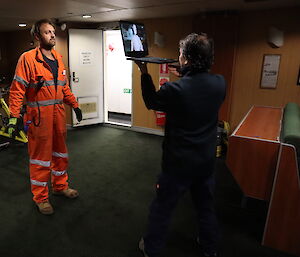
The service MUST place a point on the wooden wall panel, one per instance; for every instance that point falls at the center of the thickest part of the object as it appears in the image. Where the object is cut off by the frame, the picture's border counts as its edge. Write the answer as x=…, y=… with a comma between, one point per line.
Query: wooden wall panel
x=3, y=55
x=62, y=48
x=19, y=42
x=252, y=45
x=172, y=30
x=222, y=28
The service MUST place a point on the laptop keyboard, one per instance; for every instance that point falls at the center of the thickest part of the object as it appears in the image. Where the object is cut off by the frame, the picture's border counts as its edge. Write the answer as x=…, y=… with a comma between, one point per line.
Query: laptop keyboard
x=155, y=59
x=152, y=59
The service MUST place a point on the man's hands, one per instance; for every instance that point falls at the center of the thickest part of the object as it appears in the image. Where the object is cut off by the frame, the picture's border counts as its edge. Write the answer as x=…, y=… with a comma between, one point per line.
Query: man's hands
x=12, y=127
x=173, y=68
x=78, y=114
x=142, y=67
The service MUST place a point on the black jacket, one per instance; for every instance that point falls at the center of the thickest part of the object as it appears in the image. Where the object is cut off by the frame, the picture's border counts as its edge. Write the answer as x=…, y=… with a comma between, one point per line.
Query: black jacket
x=191, y=105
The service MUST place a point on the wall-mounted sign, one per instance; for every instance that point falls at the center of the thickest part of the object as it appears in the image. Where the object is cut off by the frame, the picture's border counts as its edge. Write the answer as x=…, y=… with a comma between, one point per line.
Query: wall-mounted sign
x=86, y=58
x=163, y=69
x=270, y=71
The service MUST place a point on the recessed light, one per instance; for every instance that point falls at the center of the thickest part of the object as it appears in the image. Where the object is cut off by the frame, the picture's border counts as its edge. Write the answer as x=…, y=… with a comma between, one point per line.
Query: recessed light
x=22, y=24
x=86, y=16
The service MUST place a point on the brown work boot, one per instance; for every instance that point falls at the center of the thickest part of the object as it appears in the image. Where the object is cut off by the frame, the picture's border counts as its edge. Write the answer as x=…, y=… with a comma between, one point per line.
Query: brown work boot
x=45, y=208
x=69, y=193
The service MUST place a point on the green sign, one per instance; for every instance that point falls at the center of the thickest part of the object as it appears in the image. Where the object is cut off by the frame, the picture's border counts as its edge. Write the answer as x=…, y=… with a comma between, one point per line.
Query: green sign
x=127, y=91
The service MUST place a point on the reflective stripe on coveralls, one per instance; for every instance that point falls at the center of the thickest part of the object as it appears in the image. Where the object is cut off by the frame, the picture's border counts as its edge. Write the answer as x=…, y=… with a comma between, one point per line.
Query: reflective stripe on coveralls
x=62, y=155
x=42, y=163
x=38, y=183
x=48, y=83
x=58, y=173
x=44, y=103
x=20, y=80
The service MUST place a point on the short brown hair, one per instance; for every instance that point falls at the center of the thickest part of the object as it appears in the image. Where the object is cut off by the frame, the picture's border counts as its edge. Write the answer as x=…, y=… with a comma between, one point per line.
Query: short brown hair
x=35, y=30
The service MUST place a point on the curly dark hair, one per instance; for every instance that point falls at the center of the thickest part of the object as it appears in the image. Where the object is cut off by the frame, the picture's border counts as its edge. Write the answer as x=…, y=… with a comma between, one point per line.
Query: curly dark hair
x=35, y=30
x=198, y=51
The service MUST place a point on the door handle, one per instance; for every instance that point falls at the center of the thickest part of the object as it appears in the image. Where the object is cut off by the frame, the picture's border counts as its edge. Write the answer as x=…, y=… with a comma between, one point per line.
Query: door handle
x=74, y=78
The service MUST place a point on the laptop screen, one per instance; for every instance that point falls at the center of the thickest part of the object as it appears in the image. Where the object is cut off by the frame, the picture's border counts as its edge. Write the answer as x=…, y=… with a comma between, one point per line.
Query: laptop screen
x=134, y=39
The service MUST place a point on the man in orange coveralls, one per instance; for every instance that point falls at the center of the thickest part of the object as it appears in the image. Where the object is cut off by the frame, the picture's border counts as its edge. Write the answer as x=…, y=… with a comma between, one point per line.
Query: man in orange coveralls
x=41, y=77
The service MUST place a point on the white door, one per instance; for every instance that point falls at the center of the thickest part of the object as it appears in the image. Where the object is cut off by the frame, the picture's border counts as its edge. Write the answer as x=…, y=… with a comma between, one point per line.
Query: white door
x=86, y=71
x=117, y=74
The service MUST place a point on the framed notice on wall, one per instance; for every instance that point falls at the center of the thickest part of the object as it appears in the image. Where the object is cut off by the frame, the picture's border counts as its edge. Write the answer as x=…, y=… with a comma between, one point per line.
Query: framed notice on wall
x=270, y=70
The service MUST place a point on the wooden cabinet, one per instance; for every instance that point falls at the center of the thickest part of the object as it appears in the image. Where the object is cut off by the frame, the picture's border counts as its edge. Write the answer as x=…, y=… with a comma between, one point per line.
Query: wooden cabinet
x=267, y=169
x=253, y=151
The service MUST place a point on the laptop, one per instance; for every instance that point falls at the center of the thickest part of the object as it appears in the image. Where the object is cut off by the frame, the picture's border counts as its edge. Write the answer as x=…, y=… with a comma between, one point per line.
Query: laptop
x=135, y=43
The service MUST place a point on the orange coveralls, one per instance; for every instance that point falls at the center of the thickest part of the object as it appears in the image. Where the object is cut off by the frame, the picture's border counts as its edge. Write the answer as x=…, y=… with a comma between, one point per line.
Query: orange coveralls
x=46, y=140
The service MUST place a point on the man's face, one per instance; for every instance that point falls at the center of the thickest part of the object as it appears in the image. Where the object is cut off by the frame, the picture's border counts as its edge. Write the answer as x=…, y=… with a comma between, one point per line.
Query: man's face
x=46, y=36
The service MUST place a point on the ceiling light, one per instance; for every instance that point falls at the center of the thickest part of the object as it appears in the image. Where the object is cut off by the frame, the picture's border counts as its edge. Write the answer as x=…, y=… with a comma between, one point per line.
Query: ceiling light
x=22, y=24
x=86, y=16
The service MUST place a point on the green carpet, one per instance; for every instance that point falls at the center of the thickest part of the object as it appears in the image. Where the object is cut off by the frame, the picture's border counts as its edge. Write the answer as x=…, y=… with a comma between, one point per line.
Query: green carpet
x=115, y=172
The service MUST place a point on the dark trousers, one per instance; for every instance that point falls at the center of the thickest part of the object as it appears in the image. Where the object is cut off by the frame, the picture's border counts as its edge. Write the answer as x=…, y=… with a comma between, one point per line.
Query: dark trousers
x=169, y=190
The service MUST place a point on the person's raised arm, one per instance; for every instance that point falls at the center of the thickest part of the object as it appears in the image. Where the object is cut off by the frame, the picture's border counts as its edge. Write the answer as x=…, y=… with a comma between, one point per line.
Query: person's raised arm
x=155, y=100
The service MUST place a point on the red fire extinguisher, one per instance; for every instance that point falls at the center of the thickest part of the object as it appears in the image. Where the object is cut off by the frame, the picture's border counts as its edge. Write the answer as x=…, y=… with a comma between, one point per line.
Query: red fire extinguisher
x=160, y=118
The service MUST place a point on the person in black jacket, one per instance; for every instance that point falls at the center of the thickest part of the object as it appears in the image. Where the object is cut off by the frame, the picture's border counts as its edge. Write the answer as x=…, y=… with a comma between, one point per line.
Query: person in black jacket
x=191, y=104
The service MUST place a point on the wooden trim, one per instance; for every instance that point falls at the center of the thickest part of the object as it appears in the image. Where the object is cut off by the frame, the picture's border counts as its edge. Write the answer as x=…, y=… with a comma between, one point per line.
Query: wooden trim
x=282, y=230
x=240, y=124
x=259, y=139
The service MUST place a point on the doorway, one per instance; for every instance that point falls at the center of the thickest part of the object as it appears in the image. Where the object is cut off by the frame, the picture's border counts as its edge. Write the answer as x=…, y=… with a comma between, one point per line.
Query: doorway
x=117, y=81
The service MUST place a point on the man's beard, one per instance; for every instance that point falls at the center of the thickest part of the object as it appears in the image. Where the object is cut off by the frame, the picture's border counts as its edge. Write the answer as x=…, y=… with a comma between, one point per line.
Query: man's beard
x=48, y=45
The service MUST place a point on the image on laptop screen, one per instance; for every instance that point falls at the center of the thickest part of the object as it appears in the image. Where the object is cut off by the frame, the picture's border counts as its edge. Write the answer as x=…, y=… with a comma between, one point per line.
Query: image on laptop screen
x=134, y=39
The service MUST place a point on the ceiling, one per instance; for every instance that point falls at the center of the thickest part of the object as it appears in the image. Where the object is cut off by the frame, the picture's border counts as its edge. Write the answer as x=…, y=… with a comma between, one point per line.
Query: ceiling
x=13, y=12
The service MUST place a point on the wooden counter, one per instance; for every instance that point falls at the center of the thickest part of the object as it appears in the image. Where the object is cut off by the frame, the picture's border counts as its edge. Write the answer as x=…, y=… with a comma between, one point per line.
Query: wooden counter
x=253, y=151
